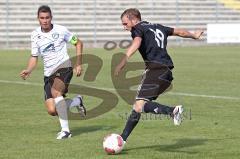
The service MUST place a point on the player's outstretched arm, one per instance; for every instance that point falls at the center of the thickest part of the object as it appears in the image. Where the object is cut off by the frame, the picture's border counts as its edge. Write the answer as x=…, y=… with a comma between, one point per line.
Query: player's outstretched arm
x=78, y=66
x=32, y=63
x=130, y=51
x=186, y=34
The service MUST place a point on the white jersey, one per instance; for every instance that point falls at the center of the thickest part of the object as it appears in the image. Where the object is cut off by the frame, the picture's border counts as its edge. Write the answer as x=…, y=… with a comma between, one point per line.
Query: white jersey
x=52, y=47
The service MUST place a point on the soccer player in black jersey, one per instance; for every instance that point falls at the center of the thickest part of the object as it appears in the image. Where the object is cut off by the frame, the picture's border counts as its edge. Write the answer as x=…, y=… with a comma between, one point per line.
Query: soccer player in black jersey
x=151, y=41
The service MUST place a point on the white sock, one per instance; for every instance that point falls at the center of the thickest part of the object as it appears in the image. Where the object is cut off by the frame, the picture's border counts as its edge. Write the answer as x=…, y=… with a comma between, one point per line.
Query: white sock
x=61, y=108
x=72, y=102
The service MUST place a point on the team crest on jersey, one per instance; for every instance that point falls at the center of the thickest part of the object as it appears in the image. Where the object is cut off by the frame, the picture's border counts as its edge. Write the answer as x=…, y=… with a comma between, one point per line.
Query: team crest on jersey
x=55, y=36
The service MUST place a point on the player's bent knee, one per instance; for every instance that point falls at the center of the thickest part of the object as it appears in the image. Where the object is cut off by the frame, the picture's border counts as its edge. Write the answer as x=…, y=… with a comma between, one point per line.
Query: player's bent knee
x=138, y=106
x=137, y=109
x=52, y=112
x=56, y=94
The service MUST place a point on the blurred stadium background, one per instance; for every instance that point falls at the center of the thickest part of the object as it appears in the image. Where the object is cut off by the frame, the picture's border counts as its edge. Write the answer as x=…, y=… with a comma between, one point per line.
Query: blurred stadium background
x=97, y=21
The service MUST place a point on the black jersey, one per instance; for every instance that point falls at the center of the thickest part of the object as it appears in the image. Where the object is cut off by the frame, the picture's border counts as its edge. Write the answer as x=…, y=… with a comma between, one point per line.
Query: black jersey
x=154, y=42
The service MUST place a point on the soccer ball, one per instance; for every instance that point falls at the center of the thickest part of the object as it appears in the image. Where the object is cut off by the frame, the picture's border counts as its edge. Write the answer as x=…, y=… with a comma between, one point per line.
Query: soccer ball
x=113, y=144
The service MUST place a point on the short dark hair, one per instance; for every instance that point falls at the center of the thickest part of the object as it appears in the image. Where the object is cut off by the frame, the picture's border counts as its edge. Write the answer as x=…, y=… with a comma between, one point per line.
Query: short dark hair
x=132, y=13
x=45, y=9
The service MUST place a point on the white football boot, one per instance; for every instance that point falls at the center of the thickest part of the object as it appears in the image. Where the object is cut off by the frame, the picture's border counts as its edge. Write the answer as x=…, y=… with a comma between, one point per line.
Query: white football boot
x=63, y=135
x=81, y=108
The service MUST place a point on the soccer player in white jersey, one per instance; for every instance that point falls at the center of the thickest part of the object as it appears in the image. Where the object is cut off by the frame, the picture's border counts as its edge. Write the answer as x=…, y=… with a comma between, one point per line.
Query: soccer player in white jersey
x=49, y=41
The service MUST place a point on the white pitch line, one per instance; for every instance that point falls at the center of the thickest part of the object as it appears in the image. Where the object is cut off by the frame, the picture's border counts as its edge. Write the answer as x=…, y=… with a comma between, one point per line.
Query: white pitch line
x=111, y=89
x=202, y=95
x=19, y=82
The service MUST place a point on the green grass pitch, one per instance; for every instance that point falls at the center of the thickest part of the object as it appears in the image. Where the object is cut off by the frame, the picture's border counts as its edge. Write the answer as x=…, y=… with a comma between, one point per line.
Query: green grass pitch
x=206, y=82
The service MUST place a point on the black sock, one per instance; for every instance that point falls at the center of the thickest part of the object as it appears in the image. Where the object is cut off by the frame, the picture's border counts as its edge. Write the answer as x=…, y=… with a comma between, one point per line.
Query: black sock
x=156, y=108
x=131, y=123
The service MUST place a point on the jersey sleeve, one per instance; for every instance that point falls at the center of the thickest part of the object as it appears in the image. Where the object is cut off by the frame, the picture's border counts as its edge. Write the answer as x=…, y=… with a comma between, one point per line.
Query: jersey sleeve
x=70, y=37
x=34, y=46
x=137, y=32
x=168, y=30
x=67, y=35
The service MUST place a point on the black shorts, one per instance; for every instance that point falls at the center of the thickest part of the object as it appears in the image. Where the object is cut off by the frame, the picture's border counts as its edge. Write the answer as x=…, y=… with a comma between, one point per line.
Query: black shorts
x=156, y=79
x=64, y=74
